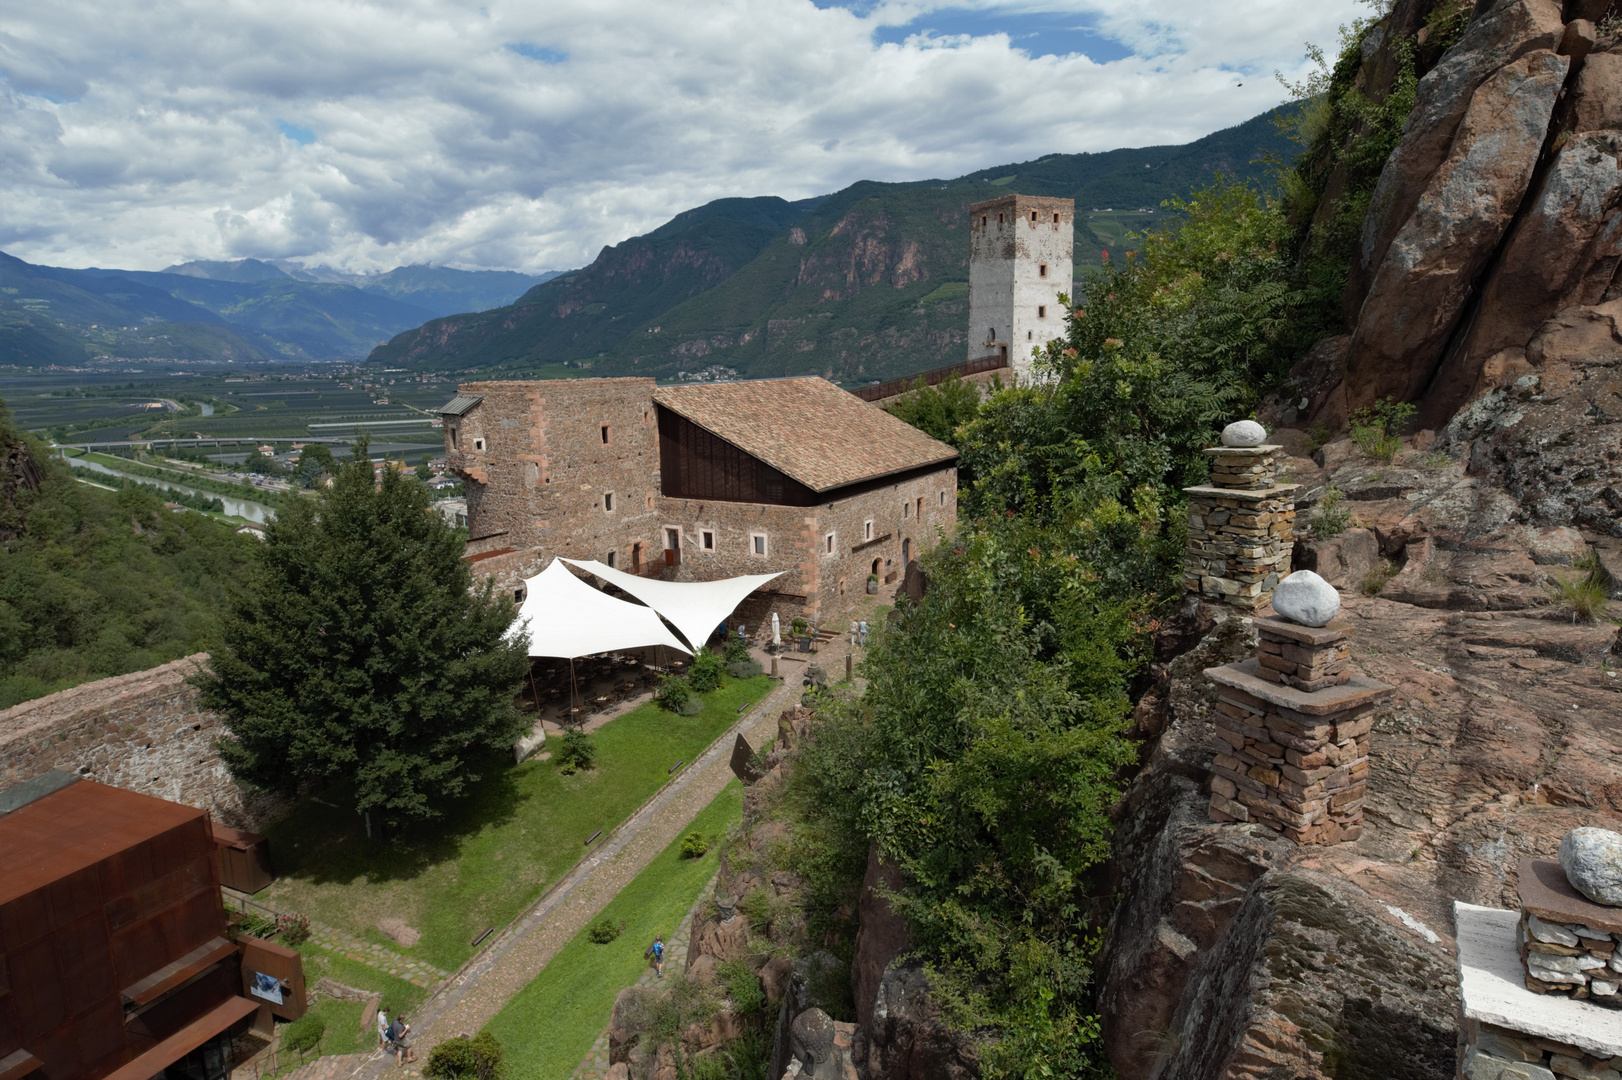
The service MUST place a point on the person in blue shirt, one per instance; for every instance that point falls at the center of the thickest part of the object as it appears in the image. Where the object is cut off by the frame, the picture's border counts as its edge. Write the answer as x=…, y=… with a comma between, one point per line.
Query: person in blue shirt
x=657, y=951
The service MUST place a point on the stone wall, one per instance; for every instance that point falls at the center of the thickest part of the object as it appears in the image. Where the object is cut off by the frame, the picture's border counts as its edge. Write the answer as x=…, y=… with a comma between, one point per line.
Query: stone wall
x=142, y=732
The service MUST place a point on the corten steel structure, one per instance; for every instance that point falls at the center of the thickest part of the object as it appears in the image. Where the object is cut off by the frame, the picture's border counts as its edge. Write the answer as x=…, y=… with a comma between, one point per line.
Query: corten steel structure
x=699, y=483
x=114, y=958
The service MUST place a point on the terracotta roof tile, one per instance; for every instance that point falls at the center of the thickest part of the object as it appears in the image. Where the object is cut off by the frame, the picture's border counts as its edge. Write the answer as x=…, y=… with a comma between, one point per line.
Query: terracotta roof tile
x=808, y=428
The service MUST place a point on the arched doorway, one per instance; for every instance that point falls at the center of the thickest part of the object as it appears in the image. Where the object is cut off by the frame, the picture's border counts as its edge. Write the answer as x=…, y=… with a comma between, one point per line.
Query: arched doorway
x=877, y=564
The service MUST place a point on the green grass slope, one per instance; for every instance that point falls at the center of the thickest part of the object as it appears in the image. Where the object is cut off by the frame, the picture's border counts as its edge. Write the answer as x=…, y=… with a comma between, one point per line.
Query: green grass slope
x=867, y=283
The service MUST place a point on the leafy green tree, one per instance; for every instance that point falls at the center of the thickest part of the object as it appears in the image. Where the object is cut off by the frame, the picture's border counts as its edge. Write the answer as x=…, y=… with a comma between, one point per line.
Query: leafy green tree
x=314, y=460
x=262, y=463
x=939, y=410
x=362, y=656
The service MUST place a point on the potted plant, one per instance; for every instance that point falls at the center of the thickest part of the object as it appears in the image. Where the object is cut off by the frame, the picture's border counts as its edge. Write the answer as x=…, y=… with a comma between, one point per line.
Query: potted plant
x=801, y=630
x=872, y=584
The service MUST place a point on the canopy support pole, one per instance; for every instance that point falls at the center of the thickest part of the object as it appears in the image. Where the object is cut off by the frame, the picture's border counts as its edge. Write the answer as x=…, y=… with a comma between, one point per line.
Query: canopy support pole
x=574, y=683
x=533, y=689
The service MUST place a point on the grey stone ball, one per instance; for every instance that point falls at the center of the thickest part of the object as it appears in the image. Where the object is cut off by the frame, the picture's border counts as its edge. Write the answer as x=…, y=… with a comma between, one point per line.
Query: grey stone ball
x=1244, y=433
x=1306, y=598
x=1592, y=860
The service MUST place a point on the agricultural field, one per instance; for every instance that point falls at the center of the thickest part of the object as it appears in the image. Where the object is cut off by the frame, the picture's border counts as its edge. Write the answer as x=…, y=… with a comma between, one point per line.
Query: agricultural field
x=123, y=401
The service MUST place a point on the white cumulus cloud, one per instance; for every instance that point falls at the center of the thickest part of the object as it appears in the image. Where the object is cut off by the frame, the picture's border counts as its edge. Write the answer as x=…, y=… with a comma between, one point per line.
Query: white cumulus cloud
x=527, y=136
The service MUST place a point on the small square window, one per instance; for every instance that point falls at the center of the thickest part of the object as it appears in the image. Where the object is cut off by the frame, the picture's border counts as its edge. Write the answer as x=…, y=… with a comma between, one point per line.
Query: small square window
x=608, y=502
x=706, y=539
x=1042, y=270
x=610, y=559
x=478, y=444
x=1041, y=311
x=518, y=596
x=604, y=430
x=758, y=543
x=867, y=529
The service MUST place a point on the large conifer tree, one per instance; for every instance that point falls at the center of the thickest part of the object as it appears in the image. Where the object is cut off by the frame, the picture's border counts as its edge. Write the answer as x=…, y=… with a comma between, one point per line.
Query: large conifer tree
x=362, y=657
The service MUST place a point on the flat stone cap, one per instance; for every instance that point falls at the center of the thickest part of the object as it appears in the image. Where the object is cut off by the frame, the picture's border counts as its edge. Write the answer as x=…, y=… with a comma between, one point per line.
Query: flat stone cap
x=1241, y=451
x=1331, y=632
x=1361, y=690
x=1546, y=893
x=1244, y=494
x=1492, y=983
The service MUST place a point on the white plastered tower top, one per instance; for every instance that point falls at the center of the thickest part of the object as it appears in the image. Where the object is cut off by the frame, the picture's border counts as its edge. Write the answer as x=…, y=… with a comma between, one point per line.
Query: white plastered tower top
x=1021, y=255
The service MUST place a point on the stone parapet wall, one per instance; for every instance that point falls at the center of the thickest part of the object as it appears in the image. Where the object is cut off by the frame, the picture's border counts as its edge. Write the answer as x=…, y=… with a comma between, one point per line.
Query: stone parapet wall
x=1241, y=529
x=143, y=732
x=1569, y=946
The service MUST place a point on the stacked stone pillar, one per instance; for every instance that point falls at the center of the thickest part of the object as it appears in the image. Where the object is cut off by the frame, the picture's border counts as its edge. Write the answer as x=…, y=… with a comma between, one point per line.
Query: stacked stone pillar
x=1241, y=527
x=1292, y=734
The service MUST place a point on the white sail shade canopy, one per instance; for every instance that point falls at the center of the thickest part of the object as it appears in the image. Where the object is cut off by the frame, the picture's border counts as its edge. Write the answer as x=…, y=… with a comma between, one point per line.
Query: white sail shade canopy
x=568, y=618
x=693, y=607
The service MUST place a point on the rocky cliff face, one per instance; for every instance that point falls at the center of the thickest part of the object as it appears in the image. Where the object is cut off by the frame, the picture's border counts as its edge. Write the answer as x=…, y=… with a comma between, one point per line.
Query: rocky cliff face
x=1499, y=210
x=1235, y=953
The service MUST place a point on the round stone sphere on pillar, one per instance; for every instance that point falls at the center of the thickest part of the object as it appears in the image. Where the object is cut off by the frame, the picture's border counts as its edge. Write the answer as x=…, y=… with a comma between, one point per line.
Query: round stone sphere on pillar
x=1244, y=433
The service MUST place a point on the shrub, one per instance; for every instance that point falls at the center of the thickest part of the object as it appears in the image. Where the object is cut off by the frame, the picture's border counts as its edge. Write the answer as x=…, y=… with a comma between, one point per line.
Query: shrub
x=1377, y=429
x=304, y=1033
x=706, y=673
x=577, y=752
x=757, y=907
x=693, y=845
x=799, y=627
x=294, y=928
x=1329, y=518
x=674, y=692
x=1583, y=597
x=742, y=986
x=1375, y=579
x=462, y=1058
x=744, y=669
x=255, y=925
x=604, y=930
x=736, y=649
x=692, y=707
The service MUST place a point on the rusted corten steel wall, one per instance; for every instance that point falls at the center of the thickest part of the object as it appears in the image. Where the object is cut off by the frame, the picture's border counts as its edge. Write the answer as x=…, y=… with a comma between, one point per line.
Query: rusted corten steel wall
x=102, y=890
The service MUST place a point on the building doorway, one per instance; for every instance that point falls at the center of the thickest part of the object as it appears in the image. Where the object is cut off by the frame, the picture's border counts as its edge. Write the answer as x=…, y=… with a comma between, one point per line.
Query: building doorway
x=636, y=557
x=672, y=547
x=906, y=552
x=877, y=564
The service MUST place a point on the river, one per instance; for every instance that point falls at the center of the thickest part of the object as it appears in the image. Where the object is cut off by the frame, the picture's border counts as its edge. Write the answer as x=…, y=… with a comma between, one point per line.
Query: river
x=241, y=508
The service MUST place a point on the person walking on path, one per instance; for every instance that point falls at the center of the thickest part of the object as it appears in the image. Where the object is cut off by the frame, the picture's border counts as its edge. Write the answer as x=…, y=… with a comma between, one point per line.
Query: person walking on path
x=399, y=1033
x=657, y=951
x=382, y=1029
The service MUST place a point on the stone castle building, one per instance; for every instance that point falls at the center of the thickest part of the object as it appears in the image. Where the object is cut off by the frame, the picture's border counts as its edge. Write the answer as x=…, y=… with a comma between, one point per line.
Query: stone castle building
x=1021, y=252
x=698, y=482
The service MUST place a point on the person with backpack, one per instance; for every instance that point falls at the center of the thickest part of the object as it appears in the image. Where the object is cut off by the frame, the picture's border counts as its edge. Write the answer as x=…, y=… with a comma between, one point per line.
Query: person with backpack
x=657, y=951
x=398, y=1038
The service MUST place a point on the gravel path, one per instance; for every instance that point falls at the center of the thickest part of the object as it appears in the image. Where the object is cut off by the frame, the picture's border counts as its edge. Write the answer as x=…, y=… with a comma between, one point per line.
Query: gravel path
x=491, y=979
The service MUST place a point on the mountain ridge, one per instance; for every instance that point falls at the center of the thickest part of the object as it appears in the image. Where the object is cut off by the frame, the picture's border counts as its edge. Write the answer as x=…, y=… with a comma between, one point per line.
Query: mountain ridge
x=864, y=283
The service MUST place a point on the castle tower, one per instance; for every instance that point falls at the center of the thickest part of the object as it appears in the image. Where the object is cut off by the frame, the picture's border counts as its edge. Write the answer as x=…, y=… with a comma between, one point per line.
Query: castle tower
x=1021, y=249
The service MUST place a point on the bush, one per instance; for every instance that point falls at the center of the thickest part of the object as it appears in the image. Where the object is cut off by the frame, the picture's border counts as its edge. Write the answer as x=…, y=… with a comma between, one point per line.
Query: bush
x=257, y=926
x=577, y=752
x=293, y=928
x=1377, y=429
x=799, y=627
x=1584, y=597
x=1375, y=579
x=693, y=845
x=744, y=669
x=706, y=673
x=757, y=907
x=1329, y=518
x=304, y=1033
x=736, y=649
x=673, y=693
x=692, y=707
x=462, y=1058
x=742, y=986
x=604, y=930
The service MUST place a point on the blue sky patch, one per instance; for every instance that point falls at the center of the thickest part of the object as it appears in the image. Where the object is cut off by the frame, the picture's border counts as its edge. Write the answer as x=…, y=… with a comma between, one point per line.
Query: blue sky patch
x=1037, y=33
x=301, y=135
x=537, y=52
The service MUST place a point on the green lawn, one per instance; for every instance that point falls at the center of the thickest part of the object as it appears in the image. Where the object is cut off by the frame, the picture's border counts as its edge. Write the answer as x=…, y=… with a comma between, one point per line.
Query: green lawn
x=495, y=853
x=548, y=1028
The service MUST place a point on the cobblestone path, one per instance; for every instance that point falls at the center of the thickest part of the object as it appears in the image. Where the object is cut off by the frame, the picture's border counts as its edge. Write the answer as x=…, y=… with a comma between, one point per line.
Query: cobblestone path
x=479, y=990
x=359, y=949
x=332, y=1067
x=595, y=1066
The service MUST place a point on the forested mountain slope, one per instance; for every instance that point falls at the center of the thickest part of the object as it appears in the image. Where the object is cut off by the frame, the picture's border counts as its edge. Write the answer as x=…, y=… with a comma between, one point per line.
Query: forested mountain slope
x=866, y=283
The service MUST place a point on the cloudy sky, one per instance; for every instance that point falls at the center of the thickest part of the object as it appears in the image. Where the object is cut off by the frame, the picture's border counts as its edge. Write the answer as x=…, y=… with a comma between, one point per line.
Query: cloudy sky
x=528, y=135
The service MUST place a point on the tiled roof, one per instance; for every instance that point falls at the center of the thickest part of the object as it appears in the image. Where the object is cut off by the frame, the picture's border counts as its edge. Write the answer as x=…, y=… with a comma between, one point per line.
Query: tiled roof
x=808, y=428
